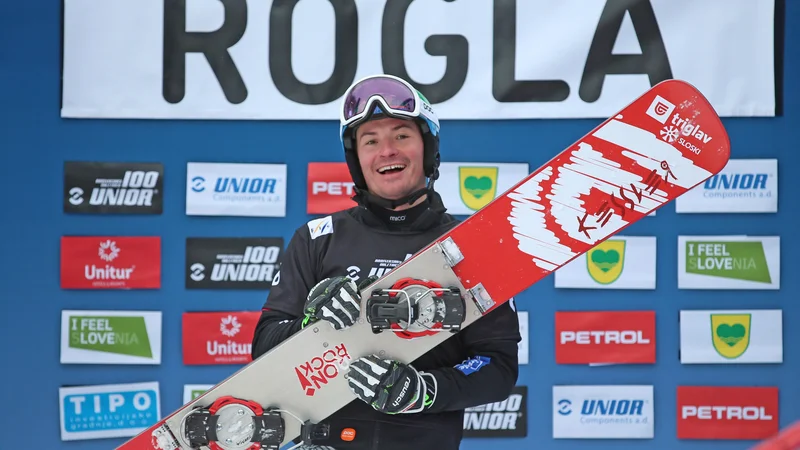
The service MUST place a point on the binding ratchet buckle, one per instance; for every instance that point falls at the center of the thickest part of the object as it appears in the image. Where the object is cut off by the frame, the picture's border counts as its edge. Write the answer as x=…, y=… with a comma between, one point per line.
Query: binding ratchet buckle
x=413, y=307
x=234, y=424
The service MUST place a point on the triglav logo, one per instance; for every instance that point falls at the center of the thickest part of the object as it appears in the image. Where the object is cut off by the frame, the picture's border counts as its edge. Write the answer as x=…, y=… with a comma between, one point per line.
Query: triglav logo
x=660, y=109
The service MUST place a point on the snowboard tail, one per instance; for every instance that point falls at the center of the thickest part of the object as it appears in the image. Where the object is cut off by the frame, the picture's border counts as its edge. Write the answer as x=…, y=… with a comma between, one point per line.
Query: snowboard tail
x=664, y=143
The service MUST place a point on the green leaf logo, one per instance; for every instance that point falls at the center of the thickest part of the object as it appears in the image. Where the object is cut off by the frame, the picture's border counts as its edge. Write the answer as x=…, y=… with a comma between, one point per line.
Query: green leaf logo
x=728, y=259
x=110, y=334
x=605, y=260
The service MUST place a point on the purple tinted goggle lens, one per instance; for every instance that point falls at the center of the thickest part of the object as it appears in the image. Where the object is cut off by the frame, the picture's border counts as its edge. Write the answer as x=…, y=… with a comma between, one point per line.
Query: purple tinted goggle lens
x=397, y=95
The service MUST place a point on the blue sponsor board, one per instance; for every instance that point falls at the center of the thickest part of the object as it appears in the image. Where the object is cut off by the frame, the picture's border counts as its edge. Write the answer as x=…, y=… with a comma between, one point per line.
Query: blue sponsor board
x=108, y=411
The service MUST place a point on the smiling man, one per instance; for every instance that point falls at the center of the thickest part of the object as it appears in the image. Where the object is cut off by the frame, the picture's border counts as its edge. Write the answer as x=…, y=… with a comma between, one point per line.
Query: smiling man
x=390, y=137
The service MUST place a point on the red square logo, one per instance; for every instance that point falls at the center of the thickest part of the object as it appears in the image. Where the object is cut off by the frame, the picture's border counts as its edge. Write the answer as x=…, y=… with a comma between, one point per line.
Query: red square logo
x=330, y=188
x=218, y=337
x=706, y=412
x=606, y=337
x=103, y=262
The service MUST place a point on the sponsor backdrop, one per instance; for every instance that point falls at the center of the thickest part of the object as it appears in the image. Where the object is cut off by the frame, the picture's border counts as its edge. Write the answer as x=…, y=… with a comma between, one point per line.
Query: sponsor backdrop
x=138, y=253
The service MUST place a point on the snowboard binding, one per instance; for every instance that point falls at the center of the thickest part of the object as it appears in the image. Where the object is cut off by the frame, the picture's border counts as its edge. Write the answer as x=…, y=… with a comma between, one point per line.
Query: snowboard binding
x=414, y=307
x=234, y=424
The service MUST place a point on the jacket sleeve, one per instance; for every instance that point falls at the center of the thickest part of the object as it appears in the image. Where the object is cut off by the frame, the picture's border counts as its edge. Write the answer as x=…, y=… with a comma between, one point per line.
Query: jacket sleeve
x=490, y=371
x=282, y=313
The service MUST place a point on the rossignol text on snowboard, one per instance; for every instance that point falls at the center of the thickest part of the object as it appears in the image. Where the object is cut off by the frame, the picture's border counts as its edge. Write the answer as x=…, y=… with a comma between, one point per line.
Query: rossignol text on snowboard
x=664, y=143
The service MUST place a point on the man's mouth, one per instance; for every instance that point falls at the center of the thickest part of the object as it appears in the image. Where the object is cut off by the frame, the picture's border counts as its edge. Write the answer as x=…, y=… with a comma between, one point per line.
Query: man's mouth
x=391, y=168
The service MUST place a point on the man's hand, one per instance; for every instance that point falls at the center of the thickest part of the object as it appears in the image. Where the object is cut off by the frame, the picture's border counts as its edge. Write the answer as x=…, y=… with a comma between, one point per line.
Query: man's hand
x=391, y=387
x=335, y=300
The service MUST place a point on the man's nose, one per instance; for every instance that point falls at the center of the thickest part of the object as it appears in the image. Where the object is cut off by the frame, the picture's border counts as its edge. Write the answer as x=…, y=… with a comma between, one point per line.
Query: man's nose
x=388, y=148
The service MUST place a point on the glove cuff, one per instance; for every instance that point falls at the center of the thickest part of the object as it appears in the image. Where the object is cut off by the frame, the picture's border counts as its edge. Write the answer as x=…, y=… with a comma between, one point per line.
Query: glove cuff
x=427, y=386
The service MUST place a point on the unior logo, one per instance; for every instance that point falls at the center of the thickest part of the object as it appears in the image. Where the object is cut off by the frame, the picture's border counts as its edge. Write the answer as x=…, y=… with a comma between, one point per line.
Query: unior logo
x=135, y=188
x=198, y=184
x=501, y=415
x=230, y=326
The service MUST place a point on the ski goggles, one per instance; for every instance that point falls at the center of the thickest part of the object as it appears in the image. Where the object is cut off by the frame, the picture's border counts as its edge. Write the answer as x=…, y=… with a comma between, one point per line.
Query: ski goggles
x=396, y=97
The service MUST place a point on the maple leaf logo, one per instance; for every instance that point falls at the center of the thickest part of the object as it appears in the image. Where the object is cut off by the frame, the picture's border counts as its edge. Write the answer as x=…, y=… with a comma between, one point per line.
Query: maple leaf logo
x=230, y=326
x=108, y=250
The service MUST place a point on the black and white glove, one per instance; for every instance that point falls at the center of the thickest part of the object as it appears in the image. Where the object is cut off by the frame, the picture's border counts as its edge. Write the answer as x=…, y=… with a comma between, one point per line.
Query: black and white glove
x=391, y=387
x=335, y=300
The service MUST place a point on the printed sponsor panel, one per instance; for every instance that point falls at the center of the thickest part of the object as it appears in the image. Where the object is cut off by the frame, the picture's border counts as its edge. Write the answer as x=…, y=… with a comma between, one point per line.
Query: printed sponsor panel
x=108, y=411
x=330, y=188
x=729, y=262
x=466, y=187
x=731, y=336
x=110, y=262
x=620, y=262
x=113, y=187
x=743, y=186
x=506, y=418
x=192, y=391
x=218, y=337
x=603, y=412
x=110, y=337
x=727, y=413
x=232, y=263
x=605, y=337
x=574, y=71
x=235, y=189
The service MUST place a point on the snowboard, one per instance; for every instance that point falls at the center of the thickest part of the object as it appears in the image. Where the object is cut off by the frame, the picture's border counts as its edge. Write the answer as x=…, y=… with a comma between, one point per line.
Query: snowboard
x=662, y=144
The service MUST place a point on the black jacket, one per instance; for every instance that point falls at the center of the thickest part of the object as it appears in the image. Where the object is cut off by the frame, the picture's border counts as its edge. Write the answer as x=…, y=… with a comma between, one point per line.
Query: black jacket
x=358, y=243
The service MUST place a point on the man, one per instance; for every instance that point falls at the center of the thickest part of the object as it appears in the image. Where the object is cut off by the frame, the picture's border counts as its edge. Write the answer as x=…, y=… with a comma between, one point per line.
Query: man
x=390, y=136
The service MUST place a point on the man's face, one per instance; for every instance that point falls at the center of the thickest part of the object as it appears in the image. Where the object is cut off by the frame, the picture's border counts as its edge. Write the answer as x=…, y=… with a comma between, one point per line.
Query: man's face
x=391, y=153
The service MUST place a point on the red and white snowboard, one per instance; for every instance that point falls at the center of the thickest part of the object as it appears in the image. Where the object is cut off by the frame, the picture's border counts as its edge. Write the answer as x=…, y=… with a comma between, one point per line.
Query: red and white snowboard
x=664, y=143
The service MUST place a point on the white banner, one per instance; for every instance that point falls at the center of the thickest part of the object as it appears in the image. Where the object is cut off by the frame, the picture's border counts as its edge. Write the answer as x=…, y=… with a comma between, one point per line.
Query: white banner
x=743, y=186
x=466, y=187
x=729, y=262
x=731, y=336
x=234, y=189
x=594, y=412
x=621, y=262
x=110, y=337
x=503, y=59
x=108, y=410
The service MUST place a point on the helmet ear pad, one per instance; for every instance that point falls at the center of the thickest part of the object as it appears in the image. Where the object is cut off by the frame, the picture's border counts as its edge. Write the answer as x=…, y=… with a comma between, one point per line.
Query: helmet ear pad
x=430, y=157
